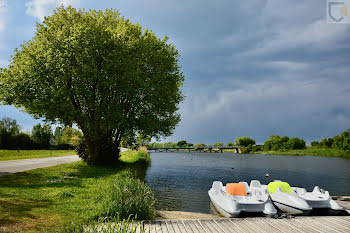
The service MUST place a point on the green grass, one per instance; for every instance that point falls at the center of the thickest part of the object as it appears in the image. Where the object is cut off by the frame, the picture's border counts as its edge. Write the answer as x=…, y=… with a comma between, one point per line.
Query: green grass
x=327, y=152
x=30, y=154
x=65, y=197
x=132, y=156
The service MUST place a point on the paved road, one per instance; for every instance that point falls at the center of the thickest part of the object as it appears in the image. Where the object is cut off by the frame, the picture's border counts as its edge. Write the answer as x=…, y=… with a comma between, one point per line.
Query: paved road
x=13, y=166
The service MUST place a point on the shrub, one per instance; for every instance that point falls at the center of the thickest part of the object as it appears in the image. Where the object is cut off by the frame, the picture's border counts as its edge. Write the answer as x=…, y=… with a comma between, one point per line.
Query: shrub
x=125, y=196
x=244, y=141
x=81, y=150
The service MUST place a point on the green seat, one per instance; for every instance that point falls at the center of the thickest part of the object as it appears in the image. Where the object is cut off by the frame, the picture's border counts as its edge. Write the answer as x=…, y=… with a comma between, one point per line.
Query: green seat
x=284, y=186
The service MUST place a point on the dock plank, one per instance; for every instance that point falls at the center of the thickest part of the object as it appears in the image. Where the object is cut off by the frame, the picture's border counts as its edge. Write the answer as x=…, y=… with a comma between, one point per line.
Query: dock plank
x=210, y=226
x=176, y=227
x=227, y=225
x=193, y=226
x=242, y=225
x=258, y=225
x=334, y=223
x=275, y=224
x=324, y=224
x=319, y=224
x=302, y=226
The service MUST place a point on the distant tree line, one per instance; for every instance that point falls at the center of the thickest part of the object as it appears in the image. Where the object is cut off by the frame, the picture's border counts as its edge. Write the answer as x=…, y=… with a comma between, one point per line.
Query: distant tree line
x=340, y=142
x=273, y=143
x=41, y=137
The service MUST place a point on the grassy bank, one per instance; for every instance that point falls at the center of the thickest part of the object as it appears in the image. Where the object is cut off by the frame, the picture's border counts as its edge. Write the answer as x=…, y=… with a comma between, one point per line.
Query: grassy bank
x=132, y=156
x=66, y=197
x=30, y=154
x=311, y=151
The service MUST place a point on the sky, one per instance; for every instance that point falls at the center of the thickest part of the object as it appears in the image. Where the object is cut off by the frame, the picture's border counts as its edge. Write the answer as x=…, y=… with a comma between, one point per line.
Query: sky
x=252, y=68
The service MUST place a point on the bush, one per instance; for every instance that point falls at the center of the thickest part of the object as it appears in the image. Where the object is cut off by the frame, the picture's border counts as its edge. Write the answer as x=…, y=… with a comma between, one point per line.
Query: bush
x=315, y=144
x=295, y=143
x=81, y=150
x=244, y=141
x=275, y=143
x=64, y=146
x=251, y=149
x=123, y=195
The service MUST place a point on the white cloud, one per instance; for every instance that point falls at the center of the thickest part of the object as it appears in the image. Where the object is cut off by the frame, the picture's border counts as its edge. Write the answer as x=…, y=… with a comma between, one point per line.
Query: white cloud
x=315, y=35
x=286, y=65
x=41, y=8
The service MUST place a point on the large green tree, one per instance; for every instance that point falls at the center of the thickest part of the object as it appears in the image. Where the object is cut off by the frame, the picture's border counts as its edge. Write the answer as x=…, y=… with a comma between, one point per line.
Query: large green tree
x=244, y=141
x=100, y=71
x=41, y=135
x=8, y=129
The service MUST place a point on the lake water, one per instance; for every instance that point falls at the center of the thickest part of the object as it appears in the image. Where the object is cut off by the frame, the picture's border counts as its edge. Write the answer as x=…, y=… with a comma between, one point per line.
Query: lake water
x=181, y=180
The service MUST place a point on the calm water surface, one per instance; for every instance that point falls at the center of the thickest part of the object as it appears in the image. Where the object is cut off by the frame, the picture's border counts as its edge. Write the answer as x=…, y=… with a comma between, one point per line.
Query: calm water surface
x=181, y=180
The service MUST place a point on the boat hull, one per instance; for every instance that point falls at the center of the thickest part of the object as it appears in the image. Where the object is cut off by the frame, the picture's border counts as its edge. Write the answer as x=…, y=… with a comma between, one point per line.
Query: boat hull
x=290, y=209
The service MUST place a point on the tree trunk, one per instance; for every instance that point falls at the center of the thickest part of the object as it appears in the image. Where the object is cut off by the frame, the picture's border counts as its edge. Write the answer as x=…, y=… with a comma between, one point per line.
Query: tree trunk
x=102, y=151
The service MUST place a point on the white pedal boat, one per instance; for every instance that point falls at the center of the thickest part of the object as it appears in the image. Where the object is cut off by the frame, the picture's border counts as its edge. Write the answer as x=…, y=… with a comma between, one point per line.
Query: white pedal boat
x=318, y=199
x=286, y=199
x=253, y=199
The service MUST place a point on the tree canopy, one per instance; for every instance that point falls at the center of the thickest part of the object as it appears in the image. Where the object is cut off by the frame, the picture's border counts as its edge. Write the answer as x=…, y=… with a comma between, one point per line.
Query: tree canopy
x=276, y=142
x=218, y=144
x=244, y=141
x=100, y=71
x=182, y=143
x=230, y=144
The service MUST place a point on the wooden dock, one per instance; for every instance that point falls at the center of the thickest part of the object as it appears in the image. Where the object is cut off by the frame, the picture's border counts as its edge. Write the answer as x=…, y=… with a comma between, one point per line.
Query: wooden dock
x=324, y=224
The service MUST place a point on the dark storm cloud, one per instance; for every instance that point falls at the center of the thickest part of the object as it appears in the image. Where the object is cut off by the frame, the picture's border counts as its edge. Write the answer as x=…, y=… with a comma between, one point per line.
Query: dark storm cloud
x=252, y=68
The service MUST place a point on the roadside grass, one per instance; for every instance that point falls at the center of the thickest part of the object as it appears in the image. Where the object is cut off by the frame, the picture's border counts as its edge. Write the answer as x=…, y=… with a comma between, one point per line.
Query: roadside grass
x=67, y=197
x=30, y=154
x=326, y=152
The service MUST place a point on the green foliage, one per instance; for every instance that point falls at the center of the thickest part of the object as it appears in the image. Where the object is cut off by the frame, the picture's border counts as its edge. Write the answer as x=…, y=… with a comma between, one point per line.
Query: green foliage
x=342, y=141
x=81, y=150
x=295, y=143
x=339, y=142
x=70, y=136
x=230, y=144
x=41, y=136
x=8, y=131
x=128, y=140
x=315, y=144
x=275, y=143
x=219, y=144
x=327, y=143
x=190, y=144
x=100, y=71
x=169, y=144
x=21, y=141
x=199, y=145
x=244, y=141
x=133, y=156
x=327, y=152
x=251, y=149
x=182, y=144
x=9, y=125
x=123, y=195
x=143, y=140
